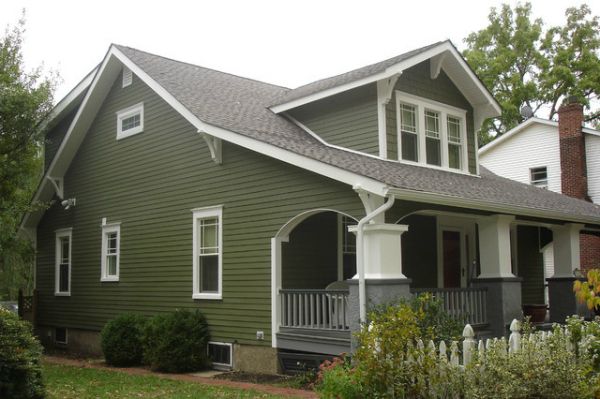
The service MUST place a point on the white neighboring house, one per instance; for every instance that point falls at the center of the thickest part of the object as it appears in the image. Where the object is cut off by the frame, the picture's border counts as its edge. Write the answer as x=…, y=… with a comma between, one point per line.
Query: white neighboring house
x=531, y=153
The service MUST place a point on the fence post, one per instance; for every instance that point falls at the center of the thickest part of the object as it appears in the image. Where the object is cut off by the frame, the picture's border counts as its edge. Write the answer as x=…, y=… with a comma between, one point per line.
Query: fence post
x=20, y=310
x=468, y=344
x=514, y=340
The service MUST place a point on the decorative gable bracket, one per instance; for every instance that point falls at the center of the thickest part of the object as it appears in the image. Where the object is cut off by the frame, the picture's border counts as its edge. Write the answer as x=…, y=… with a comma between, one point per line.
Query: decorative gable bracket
x=385, y=90
x=214, y=145
x=57, y=183
x=436, y=64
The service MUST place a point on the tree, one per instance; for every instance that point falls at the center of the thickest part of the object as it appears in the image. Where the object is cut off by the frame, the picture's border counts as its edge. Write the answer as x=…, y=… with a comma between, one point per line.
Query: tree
x=25, y=101
x=524, y=65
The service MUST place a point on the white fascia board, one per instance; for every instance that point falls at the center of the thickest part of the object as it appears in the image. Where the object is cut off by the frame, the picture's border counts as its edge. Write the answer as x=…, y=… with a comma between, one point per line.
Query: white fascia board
x=390, y=71
x=515, y=130
x=460, y=202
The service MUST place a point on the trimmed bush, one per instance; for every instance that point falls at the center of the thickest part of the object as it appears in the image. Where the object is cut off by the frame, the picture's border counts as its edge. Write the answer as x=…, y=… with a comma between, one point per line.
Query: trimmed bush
x=177, y=342
x=20, y=352
x=122, y=340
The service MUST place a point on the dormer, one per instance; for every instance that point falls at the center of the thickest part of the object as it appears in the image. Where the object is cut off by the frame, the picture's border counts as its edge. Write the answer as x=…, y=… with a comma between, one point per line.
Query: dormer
x=423, y=108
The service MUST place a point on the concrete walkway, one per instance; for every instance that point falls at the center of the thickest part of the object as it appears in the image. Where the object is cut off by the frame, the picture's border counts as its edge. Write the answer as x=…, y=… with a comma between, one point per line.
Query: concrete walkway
x=194, y=378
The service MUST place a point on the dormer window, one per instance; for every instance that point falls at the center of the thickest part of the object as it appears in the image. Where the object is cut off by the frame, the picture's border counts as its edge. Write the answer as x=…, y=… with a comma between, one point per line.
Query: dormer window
x=431, y=133
x=130, y=121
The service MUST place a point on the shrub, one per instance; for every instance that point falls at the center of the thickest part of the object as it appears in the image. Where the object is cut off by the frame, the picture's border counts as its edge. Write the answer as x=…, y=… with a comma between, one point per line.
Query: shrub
x=337, y=379
x=176, y=342
x=122, y=340
x=20, y=352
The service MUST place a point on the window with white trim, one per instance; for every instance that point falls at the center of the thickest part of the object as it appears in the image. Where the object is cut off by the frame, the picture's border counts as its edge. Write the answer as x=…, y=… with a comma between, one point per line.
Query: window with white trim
x=130, y=121
x=111, y=252
x=207, y=253
x=431, y=133
x=62, y=270
x=348, y=249
x=539, y=176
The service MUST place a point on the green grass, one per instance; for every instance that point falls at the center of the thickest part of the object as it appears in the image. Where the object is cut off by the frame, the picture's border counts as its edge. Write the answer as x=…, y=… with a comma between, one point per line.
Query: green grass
x=67, y=382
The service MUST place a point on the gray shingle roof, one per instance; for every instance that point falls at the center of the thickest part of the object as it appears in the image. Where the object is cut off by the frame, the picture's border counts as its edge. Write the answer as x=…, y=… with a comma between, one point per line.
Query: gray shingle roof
x=241, y=105
x=348, y=77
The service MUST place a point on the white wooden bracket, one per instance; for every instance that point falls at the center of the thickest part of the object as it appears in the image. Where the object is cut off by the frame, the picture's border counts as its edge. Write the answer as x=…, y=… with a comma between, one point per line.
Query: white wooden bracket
x=385, y=89
x=57, y=183
x=371, y=202
x=436, y=64
x=214, y=145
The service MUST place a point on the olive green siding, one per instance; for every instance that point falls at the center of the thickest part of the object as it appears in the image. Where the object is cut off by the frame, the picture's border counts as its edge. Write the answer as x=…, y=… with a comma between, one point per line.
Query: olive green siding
x=149, y=183
x=309, y=258
x=417, y=81
x=348, y=120
x=419, y=251
x=530, y=263
x=54, y=138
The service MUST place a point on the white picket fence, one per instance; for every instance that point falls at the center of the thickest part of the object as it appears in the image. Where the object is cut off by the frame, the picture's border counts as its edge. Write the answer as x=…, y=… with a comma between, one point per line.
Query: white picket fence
x=514, y=344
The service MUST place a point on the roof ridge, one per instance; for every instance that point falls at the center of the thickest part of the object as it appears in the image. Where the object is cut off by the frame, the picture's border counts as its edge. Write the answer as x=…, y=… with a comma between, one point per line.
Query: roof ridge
x=200, y=66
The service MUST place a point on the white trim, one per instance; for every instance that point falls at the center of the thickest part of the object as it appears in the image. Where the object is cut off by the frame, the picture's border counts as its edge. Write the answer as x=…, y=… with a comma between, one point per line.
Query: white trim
x=137, y=109
x=444, y=110
x=390, y=71
x=230, y=345
x=106, y=229
x=340, y=247
x=199, y=214
x=62, y=233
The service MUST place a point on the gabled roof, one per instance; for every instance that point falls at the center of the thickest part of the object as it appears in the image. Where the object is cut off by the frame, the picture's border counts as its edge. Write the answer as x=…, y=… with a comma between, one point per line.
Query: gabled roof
x=523, y=127
x=235, y=109
x=444, y=54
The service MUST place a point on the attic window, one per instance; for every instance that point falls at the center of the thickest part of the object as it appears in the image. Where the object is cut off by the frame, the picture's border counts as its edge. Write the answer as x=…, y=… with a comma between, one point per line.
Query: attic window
x=127, y=77
x=130, y=121
x=539, y=176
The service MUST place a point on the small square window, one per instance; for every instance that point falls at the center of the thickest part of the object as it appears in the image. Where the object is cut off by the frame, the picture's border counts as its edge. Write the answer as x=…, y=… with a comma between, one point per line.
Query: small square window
x=220, y=354
x=111, y=248
x=539, y=176
x=60, y=335
x=130, y=121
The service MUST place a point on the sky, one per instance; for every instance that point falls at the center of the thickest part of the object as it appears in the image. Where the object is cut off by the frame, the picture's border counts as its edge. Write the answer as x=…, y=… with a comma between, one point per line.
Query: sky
x=289, y=43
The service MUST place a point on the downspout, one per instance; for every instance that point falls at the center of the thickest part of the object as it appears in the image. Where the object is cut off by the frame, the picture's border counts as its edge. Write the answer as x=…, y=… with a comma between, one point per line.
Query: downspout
x=360, y=253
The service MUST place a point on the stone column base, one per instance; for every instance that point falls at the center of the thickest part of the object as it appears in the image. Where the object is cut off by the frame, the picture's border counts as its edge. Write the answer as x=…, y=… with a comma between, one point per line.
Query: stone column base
x=562, y=299
x=379, y=292
x=503, y=302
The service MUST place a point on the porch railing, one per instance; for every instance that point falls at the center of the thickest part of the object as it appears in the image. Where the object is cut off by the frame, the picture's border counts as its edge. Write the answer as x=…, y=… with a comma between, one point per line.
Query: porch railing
x=467, y=305
x=315, y=309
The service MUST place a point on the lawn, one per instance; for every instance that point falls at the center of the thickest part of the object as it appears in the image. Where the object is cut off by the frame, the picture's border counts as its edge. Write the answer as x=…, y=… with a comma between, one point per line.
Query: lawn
x=68, y=382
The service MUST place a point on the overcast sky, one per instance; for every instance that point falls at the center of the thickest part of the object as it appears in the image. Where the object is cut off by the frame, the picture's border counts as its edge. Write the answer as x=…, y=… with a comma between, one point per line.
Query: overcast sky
x=281, y=42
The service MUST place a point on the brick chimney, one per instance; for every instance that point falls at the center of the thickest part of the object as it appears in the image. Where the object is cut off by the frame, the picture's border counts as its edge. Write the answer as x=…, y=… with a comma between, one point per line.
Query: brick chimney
x=572, y=150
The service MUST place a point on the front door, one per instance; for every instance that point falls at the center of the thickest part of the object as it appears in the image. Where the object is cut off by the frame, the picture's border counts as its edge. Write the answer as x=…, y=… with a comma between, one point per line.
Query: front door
x=451, y=258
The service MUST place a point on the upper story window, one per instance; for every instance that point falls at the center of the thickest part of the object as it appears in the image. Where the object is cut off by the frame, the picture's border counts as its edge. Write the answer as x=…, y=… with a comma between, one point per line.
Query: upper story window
x=539, y=176
x=130, y=121
x=62, y=270
x=111, y=248
x=431, y=133
x=207, y=253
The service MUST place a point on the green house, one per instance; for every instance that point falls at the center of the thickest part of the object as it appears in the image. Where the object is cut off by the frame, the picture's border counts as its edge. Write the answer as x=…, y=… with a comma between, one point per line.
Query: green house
x=284, y=214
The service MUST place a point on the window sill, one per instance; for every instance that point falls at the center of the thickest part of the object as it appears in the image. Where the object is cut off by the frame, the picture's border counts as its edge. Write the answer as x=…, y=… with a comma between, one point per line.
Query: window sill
x=62, y=294
x=207, y=296
x=114, y=279
x=128, y=133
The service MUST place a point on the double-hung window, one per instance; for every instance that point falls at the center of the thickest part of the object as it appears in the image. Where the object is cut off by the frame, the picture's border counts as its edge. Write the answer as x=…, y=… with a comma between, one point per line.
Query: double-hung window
x=62, y=271
x=111, y=247
x=207, y=253
x=431, y=133
x=130, y=121
x=539, y=176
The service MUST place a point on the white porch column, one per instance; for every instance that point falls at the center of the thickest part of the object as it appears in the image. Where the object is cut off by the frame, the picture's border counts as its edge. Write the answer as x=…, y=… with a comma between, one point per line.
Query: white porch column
x=383, y=250
x=494, y=246
x=566, y=249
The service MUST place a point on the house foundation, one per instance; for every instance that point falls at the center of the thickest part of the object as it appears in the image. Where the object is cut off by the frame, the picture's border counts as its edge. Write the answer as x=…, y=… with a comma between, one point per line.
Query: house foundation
x=78, y=341
x=255, y=359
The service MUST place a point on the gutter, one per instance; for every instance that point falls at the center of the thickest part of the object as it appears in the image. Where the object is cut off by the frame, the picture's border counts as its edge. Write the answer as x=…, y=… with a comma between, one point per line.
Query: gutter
x=360, y=253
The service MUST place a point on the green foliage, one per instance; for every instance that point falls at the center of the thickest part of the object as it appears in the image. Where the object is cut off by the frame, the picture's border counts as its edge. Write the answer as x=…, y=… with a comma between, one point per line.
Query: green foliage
x=338, y=379
x=122, y=343
x=521, y=64
x=387, y=359
x=548, y=369
x=588, y=291
x=177, y=342
x=25, y=100
x=20, y=353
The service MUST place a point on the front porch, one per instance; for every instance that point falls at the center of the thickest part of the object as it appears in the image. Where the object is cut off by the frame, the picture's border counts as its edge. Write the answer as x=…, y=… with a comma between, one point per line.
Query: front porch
x=479, y=267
